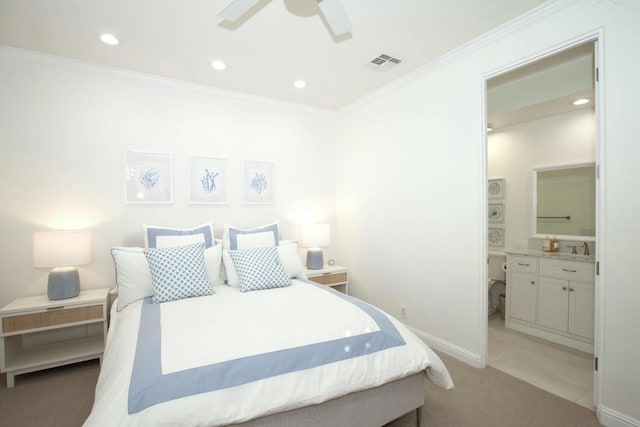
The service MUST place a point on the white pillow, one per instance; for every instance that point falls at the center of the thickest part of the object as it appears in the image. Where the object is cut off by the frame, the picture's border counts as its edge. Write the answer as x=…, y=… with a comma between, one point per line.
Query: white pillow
x=165, y=237
x=230, y=270
x=291, y=261
x=236, y=238
x=289, y=257
x=133, y=275
x=213, y=262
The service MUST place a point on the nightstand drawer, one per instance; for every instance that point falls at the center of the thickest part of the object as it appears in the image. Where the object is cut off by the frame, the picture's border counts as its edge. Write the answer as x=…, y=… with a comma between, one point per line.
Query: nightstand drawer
x=330, y=279
x=50, y=318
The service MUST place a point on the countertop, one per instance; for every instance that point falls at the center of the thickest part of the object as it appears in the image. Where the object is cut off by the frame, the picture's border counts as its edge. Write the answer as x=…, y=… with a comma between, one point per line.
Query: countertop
x=552, y=255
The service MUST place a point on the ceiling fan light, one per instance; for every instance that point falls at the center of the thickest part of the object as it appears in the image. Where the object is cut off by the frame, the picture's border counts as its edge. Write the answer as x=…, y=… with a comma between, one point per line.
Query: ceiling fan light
x=109, y=39
x=300, y=84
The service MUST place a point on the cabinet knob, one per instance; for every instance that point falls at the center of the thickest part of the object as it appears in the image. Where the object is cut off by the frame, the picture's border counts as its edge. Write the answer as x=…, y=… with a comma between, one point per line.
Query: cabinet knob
x=570, y=289
x=564, y=288
x=533, y=282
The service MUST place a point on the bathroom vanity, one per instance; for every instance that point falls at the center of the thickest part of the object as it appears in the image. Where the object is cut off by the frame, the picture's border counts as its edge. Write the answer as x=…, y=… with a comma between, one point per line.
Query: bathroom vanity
x=551, y=296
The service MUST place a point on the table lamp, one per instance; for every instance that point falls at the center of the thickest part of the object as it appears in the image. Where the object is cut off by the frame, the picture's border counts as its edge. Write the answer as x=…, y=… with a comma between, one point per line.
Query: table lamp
x=63, y=250
x=313, y=237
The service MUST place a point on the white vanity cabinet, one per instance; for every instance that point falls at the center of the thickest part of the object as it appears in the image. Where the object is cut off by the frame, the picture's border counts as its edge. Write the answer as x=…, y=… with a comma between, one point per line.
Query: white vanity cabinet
x=552, y=298
x=523, y=289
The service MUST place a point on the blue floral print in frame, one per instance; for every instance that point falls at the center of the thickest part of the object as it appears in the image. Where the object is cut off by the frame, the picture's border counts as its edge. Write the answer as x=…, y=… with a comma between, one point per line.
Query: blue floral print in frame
x=207, y=180
x=148, y=177
x=258, y=182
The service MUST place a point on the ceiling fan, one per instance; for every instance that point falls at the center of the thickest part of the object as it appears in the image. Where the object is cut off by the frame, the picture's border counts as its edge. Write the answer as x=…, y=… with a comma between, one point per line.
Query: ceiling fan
x=332, y=10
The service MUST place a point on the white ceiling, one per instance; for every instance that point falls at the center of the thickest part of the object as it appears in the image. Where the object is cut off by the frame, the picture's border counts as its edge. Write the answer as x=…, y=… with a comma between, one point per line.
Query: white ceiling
x=277, y=42
x=543, y=88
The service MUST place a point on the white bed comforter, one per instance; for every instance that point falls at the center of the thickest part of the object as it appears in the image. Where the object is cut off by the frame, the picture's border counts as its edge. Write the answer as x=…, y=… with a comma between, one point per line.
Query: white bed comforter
x=204, y=331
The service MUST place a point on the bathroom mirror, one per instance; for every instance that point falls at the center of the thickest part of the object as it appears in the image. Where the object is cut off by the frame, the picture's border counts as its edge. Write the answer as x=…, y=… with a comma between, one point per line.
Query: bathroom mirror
x=564, y=202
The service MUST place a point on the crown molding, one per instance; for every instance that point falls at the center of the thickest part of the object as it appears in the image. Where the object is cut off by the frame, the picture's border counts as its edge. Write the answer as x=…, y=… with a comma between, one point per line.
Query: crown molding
x=45, y=58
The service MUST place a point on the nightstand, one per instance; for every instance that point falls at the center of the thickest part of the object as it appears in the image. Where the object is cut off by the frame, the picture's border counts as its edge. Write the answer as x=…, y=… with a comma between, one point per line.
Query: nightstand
x=335, y=276
x=37, y=333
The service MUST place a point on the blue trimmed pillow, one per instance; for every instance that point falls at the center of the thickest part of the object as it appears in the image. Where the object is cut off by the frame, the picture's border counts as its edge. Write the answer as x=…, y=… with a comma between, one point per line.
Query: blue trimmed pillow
x=162, y=237
x=236, y=238
x=178, y=272
x=259, y=268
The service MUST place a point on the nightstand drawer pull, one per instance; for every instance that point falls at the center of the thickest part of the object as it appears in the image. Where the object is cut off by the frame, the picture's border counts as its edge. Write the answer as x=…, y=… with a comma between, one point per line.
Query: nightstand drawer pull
x=51, y=318
x=55, y=308
x=568, y=270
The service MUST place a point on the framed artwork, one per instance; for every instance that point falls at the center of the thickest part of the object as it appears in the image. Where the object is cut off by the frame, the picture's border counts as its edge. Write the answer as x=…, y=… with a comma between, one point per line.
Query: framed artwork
x=495, y=189
x=495, y=237
x=207, y=180
x=496, y=213
x=258, y=182
x=148, y=177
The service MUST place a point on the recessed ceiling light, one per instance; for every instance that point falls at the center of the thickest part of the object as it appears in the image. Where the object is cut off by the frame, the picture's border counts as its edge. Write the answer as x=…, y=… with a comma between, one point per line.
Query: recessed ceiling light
x=489, y=128
x=218, y=65
x=109, y=39
x=300, y=84
x=581, y=101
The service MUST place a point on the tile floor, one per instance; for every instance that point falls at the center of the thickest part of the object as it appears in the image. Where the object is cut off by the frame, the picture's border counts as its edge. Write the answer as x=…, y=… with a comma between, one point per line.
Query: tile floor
x=554, y=368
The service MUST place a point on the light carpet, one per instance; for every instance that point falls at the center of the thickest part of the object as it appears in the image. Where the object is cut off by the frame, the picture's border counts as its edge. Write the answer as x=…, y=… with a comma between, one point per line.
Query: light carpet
x=63, y=397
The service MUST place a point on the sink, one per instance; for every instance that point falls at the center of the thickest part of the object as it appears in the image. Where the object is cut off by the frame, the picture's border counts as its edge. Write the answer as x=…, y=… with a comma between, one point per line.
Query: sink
x=570, y=257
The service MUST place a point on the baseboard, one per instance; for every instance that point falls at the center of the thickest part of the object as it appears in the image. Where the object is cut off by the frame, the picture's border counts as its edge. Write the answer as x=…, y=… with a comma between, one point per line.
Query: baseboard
x=611, y=418
x=450, y=349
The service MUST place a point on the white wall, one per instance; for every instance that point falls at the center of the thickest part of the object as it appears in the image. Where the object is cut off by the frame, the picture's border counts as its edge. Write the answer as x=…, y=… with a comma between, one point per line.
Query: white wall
x=411, y=192
x=64, y=128
x=513, y=153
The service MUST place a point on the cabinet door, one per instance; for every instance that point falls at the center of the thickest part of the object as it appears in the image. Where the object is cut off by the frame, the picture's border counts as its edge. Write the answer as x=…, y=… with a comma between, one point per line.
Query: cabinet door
x=522, y=295
x=553, y=303
x=581, y=309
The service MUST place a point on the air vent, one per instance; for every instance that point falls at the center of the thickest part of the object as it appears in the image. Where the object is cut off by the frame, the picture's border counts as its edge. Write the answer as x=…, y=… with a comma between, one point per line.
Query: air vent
x=384, y=62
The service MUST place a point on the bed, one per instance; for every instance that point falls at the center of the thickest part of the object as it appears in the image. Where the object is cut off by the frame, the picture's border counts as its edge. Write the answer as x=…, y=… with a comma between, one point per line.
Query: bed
x=290, y=355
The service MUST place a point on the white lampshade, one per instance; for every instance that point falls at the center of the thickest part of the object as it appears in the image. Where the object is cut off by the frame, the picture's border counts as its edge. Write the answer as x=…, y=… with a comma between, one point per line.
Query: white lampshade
x=61, y=248
x=315, y=235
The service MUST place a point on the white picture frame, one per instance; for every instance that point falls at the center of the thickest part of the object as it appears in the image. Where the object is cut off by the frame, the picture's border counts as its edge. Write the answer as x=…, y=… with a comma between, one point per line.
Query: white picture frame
x=258, y=182
x=495, y=237
x=495, y=188
x=207, y=180
x=495, y=213
x=148, y=177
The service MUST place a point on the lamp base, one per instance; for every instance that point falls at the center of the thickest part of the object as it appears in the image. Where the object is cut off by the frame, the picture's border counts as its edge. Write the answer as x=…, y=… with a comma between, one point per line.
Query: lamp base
x=315, y=259
x=63, y=283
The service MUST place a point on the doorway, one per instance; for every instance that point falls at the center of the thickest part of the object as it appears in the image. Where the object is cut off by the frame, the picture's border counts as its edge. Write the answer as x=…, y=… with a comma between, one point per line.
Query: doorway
x=529, y=110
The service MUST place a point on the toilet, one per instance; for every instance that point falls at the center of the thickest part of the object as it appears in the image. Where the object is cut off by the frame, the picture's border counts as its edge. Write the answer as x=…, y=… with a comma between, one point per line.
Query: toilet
x=496, y=277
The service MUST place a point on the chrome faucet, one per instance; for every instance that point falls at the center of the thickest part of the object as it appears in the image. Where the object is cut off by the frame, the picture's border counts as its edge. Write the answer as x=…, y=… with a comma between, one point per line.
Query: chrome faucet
x=586, y=247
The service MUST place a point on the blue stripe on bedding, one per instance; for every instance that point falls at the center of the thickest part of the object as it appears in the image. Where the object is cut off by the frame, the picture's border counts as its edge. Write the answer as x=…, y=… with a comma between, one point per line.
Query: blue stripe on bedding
x=149, y=386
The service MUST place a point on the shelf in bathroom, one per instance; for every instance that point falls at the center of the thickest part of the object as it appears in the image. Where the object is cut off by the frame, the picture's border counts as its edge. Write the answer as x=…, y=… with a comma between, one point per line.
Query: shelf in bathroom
x=554, y=255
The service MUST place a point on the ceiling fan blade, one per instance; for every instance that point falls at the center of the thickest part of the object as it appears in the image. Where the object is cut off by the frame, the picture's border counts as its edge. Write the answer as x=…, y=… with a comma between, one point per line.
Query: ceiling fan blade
x=335, y=15
x=236, y=9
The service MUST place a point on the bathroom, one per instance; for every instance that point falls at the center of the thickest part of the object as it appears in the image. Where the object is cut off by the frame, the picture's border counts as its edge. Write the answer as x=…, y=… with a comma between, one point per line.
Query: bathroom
x=537, y=136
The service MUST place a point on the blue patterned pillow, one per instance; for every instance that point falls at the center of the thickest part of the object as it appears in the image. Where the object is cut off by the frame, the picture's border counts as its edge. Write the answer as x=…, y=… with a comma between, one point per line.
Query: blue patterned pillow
x=178, y=272
x=259, y=268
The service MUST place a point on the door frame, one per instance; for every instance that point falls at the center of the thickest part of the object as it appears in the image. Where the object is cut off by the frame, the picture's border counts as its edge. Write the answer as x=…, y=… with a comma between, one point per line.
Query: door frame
x=597, y=38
